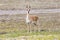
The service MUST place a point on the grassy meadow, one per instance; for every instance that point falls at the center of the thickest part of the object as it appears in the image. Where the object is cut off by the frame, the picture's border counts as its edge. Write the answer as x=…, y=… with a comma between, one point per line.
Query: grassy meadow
x=13, y=27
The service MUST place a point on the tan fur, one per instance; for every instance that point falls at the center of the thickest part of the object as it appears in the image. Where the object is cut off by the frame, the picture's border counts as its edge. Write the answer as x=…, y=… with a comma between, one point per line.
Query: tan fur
x=33, y=17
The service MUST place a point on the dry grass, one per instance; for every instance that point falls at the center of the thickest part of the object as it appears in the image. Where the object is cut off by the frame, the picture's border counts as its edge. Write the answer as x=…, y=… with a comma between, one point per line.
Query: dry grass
x=20, y=4
x=14, y=26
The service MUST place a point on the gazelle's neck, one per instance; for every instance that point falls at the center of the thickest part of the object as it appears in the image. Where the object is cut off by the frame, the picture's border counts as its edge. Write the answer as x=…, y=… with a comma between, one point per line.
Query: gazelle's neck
x=27, y=18
x=27, y=15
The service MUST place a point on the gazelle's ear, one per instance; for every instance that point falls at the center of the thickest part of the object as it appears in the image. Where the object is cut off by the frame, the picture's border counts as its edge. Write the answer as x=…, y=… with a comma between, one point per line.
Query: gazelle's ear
x=26, y=6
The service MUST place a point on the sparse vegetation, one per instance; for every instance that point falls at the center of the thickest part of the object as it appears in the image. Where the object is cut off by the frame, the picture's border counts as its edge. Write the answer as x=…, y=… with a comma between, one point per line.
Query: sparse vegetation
x=14, y=26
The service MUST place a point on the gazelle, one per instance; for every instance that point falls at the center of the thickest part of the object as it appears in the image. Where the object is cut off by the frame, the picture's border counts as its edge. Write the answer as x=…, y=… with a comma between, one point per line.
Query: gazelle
x=31, y=19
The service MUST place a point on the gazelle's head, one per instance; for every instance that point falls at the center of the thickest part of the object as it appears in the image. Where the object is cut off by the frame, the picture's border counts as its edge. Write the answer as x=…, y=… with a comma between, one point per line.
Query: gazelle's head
x=28, y=8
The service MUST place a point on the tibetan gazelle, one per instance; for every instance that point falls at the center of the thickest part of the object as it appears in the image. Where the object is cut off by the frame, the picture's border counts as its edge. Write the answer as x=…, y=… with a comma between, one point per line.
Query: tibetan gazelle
x=30, y=19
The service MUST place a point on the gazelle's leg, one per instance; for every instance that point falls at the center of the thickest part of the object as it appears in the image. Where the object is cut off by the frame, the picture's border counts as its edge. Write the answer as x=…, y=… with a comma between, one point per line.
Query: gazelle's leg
x=30, y=27
x=38, y=26
x=34, y=28
x=27, y=28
